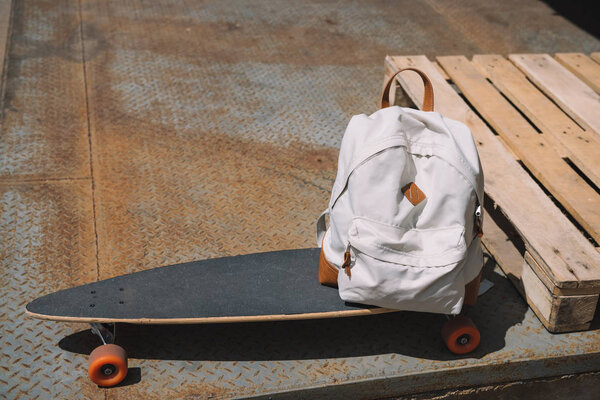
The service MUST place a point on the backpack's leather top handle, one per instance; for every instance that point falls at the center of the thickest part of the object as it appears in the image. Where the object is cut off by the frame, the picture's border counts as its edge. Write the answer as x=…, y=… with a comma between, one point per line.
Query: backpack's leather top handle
x=428, y=98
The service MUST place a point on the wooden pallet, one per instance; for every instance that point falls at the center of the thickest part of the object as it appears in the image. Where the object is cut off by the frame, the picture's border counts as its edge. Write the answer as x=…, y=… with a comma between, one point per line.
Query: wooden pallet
x=536, y=122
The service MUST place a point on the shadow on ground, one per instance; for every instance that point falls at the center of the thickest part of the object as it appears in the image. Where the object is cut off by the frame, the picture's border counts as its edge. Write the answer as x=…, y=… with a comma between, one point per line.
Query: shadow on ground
x=404, y=333
x=579, y=13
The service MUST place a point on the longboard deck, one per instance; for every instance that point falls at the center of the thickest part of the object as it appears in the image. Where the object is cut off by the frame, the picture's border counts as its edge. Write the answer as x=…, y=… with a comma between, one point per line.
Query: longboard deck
x=280, y=285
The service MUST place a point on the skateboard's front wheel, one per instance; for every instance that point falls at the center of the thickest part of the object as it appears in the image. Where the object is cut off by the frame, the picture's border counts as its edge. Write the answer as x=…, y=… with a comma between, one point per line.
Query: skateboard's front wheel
x=108, y=365
x=460, y=335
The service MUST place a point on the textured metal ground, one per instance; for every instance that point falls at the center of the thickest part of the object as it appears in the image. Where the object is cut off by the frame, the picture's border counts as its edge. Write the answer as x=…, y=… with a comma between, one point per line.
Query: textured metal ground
x=136, y=135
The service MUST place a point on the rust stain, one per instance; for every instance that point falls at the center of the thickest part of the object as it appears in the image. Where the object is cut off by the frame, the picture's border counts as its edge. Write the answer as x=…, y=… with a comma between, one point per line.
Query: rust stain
x=46, y=244
x=44, y=122
x=167, y=201
x=190, y=391
x=167, y=195
x=264, y=34
x=262, y=42
x=56, y=219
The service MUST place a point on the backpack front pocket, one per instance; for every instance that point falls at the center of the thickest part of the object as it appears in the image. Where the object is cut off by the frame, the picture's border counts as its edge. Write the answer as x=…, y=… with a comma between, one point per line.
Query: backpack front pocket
x=415, y=269
x=417, y=247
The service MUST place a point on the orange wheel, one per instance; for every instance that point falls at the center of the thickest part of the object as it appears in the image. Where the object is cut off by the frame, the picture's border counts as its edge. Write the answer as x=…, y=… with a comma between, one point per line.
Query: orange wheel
x=460, y=335
x=108, y=365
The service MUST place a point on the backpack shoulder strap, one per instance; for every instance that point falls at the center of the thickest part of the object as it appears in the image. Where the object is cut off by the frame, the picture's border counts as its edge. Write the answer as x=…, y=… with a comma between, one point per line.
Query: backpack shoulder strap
x=321, y=227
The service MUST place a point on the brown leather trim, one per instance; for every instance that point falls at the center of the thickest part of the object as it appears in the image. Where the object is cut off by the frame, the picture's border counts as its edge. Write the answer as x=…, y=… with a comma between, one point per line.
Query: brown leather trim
x=327, y=272
x=412, y=192
x=472, y=291
x=427, y=96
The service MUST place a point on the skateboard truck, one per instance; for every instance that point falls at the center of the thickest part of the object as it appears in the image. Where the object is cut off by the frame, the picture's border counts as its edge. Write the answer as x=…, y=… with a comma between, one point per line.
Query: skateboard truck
x=103, y=331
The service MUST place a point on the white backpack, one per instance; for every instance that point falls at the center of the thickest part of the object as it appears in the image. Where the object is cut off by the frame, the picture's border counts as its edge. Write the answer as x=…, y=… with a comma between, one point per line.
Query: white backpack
x=405, y=210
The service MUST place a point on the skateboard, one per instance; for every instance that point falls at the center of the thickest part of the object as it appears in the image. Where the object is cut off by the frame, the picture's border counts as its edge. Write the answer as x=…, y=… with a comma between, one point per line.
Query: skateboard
x=273, y=286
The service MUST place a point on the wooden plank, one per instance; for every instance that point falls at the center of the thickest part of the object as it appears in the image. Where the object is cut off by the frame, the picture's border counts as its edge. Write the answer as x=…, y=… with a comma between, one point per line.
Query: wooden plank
x=583, y=67
x=498, y=243
x=503, y=250
x=536, y=294
x=570, y=93
x=548, y=282
x=595, y=57
x=570, y=313
x=563, y=253
x=580, y=146
x=578, y=198
x=557, y=313
x=567, y=310
x=441, y=71
x=548, y=306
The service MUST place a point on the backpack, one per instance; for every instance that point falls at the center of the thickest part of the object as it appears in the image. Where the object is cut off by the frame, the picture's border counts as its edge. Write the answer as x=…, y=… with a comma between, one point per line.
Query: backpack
x=405, y=215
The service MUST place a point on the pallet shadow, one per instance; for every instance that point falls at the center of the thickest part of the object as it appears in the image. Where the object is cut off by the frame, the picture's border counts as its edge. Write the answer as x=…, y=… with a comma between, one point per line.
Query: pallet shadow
x=596, y=321
x=577, y=13
x=404, y=333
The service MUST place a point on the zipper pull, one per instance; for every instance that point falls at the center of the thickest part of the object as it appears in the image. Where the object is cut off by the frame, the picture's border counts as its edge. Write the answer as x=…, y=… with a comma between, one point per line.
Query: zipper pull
x=347, y=261
x=478, y=221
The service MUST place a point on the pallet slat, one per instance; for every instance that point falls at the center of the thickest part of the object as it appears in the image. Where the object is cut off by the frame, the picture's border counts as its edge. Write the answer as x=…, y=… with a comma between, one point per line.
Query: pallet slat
x=583, y=67
x=557, y=313
x=533, y=149
x=556, y=269
x=559, y=270
x=595, y=57
x=557, y=251
x=580, y=146
x=570, y=93
x=499, y=246
x=556, y=244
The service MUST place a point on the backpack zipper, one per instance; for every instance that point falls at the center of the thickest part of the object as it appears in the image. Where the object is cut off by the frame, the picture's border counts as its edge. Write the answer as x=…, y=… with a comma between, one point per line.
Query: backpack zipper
x=478, y=221
x=347, y=261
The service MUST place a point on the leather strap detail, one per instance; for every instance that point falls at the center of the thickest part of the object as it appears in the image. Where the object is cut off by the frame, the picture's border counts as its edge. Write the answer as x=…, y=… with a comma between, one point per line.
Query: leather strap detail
x=412, y=192
x=428, y=95
x=328, y=273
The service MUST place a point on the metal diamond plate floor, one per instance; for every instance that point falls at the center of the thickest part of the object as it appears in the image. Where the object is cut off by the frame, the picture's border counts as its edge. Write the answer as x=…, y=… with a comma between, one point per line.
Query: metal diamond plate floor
x=139, y=134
